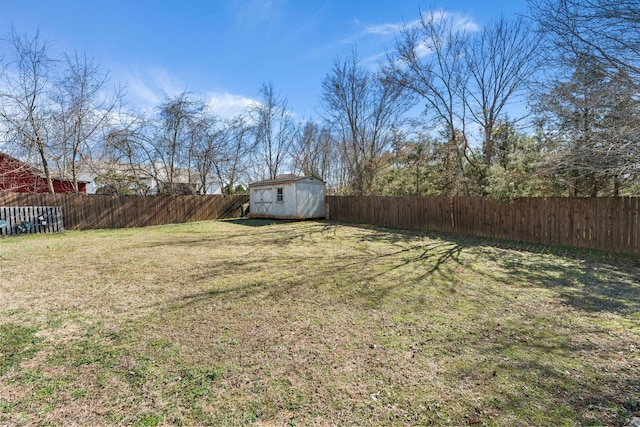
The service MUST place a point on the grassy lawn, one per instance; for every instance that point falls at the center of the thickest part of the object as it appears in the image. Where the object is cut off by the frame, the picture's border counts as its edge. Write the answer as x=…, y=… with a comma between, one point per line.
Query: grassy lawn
x=313, y=323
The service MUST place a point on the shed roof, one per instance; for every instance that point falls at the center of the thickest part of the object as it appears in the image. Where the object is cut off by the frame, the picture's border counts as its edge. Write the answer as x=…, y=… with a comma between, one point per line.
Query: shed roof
x=283, y=179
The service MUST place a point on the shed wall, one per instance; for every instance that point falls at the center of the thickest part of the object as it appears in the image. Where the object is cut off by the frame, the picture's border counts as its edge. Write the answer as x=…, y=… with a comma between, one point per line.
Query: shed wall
x=263, y=201
x=302, y=199
x=310, y=200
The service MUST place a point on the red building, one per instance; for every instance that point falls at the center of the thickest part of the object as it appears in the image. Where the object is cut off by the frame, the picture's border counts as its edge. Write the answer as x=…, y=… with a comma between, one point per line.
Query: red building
x=19, y=177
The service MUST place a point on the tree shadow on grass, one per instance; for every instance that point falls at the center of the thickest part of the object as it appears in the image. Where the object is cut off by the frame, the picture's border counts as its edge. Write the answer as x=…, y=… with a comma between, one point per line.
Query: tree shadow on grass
x=244, y=289
x=281, y=235
x=588, y=282
x=592, y=281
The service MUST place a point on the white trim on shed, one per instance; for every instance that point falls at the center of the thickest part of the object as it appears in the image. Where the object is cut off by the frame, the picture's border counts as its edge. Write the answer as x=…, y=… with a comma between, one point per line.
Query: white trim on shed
x=291, y=197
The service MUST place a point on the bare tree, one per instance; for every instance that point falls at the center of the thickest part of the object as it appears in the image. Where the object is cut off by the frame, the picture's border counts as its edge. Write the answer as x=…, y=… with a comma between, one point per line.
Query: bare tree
x=176, y=118
x=428, y=60
x=463, y=76
x=206, y=145
x=275, y=131
x=362, y=108
x=84, y=108
x=238, y=142
x=25, y=104
x=186, y=138
x=314, y=151
x=129, y=144
x=609, y=30
x=500, y=61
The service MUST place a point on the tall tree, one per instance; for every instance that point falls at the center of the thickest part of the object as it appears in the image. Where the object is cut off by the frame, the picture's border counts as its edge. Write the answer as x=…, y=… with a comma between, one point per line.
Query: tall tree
x=173, y=144
x=463, y=76
x=314, y=151
x=609, y=30
x=592, y=129
x=500, y=61
x=129, y=143
x=231, y=167
x=83, y=109
x=25, y=103
x=428, y=60
x=362, y=108
x=275, y=132
x=206, y=146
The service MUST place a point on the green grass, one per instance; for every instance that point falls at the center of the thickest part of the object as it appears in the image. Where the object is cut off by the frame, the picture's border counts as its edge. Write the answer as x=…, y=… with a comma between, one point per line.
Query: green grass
x=17, y=343
x=313, y=323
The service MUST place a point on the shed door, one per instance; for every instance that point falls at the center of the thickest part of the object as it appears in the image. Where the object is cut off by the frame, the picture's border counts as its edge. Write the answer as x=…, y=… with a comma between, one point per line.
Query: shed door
x=264, y=198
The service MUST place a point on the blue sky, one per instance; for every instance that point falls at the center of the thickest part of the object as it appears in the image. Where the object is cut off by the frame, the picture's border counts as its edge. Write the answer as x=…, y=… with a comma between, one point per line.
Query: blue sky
x=223, y=50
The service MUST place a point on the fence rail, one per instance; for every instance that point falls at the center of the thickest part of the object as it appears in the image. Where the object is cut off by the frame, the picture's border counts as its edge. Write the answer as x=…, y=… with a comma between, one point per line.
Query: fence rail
x=611, y=224
x=82, y=212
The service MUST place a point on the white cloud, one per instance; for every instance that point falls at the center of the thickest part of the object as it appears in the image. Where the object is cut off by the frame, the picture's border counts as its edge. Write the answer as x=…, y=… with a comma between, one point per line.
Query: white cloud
x=146, y=88
x=140, y=93
x=370, y=34
x=166, y=83
x=228, y=105
x=459, y=21
x=258, y=12
x=423, y=50
x=386, y=29
x=374, y=60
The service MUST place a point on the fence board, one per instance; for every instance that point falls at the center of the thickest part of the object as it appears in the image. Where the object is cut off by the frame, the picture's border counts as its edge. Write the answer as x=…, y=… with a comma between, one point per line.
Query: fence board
x=611, y=224
x=83, y=211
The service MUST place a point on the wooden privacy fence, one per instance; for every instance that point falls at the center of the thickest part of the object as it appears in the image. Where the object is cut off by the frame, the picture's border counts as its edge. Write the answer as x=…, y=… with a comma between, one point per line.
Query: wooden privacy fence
x=30, y=220
x=611, y=224
x=82, y=212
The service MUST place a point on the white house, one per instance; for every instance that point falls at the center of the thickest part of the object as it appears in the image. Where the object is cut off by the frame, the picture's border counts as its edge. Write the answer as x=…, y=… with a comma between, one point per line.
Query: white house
x=287, y=197
x=142, y=180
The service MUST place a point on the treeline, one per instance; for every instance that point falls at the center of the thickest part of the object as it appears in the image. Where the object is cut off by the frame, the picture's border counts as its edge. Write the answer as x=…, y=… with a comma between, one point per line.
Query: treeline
x=545, y=105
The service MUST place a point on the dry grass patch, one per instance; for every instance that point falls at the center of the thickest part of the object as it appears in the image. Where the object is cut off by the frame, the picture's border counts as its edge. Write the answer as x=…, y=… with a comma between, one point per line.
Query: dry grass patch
x=313, y=323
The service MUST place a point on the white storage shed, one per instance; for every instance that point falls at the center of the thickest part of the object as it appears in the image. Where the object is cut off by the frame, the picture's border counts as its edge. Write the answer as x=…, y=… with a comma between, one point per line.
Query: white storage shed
x=289, y=197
